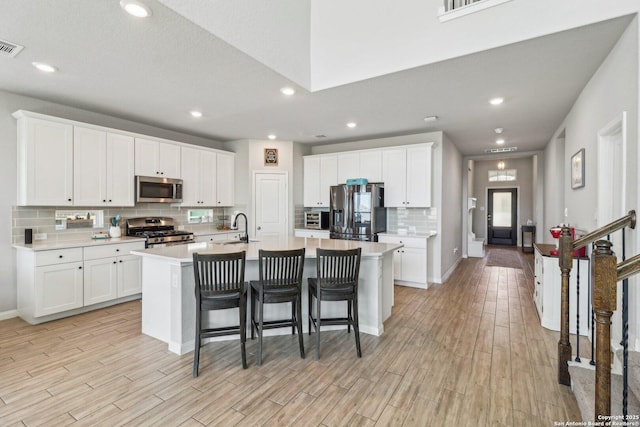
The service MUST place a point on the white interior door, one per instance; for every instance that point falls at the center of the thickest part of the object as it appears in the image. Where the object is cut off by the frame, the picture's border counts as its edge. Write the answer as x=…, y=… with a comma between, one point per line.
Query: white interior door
x=271, y=204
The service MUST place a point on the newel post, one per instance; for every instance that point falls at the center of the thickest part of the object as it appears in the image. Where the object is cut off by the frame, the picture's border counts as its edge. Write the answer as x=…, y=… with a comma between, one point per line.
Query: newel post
x=604, y=273
x=565, y=259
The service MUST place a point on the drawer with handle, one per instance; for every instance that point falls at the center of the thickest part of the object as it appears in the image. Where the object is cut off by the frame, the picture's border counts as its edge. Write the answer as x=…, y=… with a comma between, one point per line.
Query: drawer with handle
x=58, y=256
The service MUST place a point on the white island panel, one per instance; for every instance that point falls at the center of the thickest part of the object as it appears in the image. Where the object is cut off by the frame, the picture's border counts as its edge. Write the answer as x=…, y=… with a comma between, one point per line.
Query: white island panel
x=168, y=299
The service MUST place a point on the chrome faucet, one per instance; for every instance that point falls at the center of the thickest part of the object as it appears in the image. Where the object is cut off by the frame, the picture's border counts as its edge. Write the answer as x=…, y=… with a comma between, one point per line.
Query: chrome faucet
x=244, y=238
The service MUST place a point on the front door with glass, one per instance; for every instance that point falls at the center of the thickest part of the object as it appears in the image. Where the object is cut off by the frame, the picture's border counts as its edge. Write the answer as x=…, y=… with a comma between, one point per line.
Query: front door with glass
x=502, y=214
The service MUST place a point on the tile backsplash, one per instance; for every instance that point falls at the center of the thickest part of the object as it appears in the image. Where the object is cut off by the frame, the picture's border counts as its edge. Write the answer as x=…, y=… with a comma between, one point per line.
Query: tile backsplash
x=42, y=220
x=412, y=220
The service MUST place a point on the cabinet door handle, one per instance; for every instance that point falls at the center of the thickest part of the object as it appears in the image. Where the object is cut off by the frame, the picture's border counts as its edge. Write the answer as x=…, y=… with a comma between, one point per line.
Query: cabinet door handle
x=120, y=260
x=104, y=201
x=114, y=262
x=68, y=200
x=117, y=250
x=80, y=268
x=59, y=256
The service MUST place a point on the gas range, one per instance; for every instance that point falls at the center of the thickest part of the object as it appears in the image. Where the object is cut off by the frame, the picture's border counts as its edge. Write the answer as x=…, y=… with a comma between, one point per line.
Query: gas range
x=158, y=231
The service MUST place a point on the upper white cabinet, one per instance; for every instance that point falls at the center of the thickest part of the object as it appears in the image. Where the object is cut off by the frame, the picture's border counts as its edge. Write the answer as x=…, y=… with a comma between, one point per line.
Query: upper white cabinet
x=320, y=173
x=360, y=164
x=370, y=163
x=225, y=179
x=157, y=158
x=103, y=168
x=208, y=177
x=199, y=176
x=45, y=162
x=406, y=173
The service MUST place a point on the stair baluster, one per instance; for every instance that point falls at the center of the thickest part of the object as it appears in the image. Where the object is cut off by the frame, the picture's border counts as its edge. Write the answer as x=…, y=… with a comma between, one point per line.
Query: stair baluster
x=577, y=359
x=625, y=335
x=592, y=362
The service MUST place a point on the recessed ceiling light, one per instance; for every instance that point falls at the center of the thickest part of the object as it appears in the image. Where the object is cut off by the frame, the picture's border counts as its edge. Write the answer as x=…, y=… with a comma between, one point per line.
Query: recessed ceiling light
x=430, y=118
x=496, y=101
x=288, y=91
x=499, y=141
x=44, y=67
x=195, y=113
x=352, y=125
x=498, y=130
x=135, y=8
x=272, y=136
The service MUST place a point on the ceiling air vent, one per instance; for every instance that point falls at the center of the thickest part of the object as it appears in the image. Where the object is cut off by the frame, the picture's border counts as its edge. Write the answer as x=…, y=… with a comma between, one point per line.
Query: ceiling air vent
x=321, y=136
x=9, y=49
x=500, y=150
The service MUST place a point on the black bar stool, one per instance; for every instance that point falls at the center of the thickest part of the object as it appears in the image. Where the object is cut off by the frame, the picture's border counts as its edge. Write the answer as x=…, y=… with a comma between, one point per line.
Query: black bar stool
x=219, y=285
x=337, y=280
x=280, y=282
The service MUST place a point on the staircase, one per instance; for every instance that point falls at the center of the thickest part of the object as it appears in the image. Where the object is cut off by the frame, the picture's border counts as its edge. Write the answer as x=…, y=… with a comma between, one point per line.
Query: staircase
x=583, y=385
x=602, y=394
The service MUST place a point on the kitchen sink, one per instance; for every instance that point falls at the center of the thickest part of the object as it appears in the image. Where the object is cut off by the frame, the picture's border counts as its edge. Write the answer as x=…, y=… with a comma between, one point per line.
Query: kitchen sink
x=235, y=242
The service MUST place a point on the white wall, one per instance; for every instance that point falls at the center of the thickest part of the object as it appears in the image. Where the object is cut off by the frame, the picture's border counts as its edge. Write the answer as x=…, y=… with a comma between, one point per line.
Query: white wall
x=403, y=35
x=524, y=183
x=553, y=187
x=614, y=88
x=250, y=159
x=451, y=216
x=8, y=141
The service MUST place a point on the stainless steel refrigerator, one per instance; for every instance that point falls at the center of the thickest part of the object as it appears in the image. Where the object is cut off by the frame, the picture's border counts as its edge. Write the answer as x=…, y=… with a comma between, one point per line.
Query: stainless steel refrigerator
x=357, y=212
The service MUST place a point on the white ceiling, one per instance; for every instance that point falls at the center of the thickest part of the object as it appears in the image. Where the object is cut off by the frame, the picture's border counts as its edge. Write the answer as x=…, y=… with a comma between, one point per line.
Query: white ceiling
x=155, y=71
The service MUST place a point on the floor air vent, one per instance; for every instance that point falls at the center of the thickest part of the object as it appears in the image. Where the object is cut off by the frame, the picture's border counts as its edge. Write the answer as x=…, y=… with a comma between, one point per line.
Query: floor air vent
x=9, y=49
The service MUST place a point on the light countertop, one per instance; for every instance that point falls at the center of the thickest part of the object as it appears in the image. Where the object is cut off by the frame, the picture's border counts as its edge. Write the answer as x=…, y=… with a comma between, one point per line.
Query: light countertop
x=425, y=235
x=184, y=253
x=47, y=245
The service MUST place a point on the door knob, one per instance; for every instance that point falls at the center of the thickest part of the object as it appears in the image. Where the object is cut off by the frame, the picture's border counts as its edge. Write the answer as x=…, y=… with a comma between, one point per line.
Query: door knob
x=259, y=228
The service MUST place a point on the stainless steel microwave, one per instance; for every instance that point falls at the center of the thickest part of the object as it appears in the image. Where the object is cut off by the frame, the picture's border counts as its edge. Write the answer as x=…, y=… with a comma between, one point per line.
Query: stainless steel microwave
x=150, y=189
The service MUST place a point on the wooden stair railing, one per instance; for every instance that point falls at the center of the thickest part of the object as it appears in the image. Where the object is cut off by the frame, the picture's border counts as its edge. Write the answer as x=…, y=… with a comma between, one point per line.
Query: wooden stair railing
x=566, y=246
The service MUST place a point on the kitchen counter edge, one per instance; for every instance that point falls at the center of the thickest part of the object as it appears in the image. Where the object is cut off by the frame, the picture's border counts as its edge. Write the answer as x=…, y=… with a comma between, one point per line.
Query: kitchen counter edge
x=43, y=245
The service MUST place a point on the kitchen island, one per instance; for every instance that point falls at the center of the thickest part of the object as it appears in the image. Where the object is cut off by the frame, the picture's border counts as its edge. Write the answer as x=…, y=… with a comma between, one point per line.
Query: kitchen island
x=168, y=298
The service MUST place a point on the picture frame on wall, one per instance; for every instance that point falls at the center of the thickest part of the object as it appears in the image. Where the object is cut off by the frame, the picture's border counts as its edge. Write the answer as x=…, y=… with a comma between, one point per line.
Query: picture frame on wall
x=271, y=157
x=577, y=169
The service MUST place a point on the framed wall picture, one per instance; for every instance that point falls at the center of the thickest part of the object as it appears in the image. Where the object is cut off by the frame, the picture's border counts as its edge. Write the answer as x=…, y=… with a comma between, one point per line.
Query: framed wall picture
x=271, y=157
x=577, y=169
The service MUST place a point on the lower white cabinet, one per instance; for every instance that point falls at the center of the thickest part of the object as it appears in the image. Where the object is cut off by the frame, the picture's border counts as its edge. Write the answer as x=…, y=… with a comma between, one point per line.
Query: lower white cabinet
x=59, y=282
x=313, y=234
x=410, y=261
x=548, y=289
x=110, y=273
x=218, y=237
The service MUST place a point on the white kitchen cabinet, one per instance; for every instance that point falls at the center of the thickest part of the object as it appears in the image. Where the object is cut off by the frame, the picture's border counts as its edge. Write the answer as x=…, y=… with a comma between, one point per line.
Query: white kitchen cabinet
x=348, y=166
x=103, y=164
x=370, y=163
x=406, y=173
x=312, y=234
x=548, y=288
x=225, y=179
x=410, y=261
x=56, y=281
x=45, y=161
x=199, y=177
x=110, y=272
x=60, y=282
x=208, y=177
x=360, y=164
x=157, y=158
x=320, y=173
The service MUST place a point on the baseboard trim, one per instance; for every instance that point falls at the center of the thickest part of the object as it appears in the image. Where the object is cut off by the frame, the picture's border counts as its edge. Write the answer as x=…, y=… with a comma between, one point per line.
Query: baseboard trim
x=450, y=270
x=8, y=314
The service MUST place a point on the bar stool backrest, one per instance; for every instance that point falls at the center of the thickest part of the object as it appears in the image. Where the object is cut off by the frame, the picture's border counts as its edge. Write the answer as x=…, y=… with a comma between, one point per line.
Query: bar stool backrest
x=219, y=273
x=338, y=266
x=281, y=268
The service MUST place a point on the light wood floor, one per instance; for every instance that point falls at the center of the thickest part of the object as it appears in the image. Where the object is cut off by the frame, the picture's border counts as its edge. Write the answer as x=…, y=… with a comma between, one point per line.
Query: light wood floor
x=470, y=352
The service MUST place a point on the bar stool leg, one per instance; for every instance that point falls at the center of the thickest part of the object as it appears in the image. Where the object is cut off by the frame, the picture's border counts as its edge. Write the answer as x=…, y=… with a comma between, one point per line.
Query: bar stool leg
x=260, y=330
x=299, y=324
x=318, y=298
x=356, y=327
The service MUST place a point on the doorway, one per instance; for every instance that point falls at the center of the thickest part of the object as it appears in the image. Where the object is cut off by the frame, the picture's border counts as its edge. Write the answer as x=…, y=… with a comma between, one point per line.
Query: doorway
x=271, y=204
x=502, y=216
